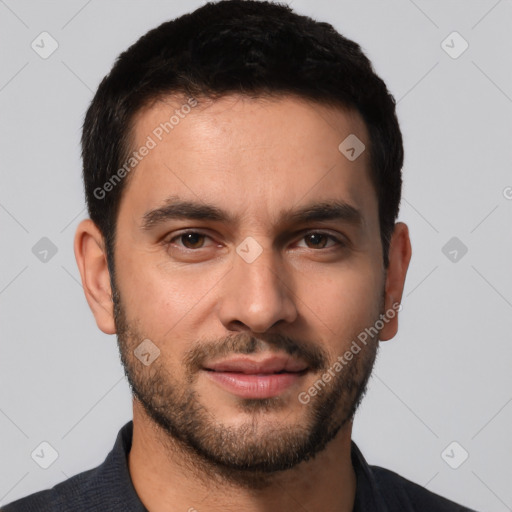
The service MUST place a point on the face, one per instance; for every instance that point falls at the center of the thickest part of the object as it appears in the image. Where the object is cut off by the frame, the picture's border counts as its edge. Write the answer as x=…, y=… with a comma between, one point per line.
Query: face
x=248, y=257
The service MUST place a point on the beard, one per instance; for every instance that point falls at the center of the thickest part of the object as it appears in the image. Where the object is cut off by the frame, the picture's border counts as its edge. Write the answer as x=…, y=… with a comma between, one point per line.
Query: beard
x=249, y=453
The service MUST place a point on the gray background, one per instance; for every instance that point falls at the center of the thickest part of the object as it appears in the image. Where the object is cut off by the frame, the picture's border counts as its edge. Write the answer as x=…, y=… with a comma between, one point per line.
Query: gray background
x=445, y=377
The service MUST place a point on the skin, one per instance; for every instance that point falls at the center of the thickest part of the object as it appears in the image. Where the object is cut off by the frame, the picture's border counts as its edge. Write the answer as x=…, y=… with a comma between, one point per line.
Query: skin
x=253, y=158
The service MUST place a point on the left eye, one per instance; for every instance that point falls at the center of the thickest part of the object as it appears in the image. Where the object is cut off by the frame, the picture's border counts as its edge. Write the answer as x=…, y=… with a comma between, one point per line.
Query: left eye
x=319, y=240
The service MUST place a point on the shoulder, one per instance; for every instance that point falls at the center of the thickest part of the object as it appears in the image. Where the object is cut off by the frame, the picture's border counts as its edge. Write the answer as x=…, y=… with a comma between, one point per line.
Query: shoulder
x=67, y=496
x=105, y=487
x=396, y=489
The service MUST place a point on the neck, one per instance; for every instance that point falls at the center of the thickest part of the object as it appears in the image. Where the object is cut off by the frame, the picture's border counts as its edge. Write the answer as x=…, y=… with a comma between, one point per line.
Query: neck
x=166, y=477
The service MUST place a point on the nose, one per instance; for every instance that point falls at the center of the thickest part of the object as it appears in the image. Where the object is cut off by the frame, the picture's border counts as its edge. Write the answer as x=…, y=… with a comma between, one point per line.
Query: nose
x=256, y=295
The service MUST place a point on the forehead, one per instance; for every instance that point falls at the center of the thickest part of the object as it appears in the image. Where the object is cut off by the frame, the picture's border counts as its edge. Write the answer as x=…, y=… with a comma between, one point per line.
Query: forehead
x=257, y=155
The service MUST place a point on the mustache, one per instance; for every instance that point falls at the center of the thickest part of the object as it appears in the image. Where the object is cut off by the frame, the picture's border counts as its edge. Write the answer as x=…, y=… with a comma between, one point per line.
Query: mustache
x=245, y=343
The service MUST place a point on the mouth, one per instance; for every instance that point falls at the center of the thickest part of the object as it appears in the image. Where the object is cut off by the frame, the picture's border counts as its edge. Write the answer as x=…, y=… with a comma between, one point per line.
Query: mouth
x=249, y=378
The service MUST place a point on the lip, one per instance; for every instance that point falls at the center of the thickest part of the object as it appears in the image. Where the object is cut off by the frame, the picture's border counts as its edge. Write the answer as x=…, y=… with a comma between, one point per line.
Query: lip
x=272, y=364
x=249, y=378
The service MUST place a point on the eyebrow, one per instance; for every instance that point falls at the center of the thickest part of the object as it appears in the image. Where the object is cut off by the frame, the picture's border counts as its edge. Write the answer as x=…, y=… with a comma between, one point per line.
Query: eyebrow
x=176, y=208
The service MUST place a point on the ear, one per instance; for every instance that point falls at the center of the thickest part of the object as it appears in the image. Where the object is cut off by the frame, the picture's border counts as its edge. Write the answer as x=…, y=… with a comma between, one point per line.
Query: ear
x=399, y=256
x=91, y=258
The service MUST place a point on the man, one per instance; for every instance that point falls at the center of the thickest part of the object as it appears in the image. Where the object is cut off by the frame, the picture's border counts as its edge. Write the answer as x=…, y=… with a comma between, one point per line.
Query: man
x=242, y=168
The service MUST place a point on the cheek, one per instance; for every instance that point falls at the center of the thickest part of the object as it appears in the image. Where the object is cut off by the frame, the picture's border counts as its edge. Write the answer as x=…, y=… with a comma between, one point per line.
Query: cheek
x=340, y=302
x=164, y=301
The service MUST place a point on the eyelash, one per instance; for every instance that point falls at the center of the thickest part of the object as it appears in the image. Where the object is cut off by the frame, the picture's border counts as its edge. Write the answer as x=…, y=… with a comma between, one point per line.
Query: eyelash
x=340, y=243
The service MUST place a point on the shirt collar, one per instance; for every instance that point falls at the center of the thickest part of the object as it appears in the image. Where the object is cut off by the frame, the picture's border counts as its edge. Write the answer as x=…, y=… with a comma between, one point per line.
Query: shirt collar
x=368, y=498
x=115, y=473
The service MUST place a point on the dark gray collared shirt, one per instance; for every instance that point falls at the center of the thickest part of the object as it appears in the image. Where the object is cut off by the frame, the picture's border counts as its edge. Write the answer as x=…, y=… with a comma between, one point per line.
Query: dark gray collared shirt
x=109, y=488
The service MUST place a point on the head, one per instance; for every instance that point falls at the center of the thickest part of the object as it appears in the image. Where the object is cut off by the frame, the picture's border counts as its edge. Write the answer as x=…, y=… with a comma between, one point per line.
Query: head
x=242, y=169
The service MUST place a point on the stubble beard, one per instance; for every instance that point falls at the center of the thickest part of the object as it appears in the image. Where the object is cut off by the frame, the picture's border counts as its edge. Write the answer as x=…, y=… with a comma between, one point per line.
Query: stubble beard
x=249, y=454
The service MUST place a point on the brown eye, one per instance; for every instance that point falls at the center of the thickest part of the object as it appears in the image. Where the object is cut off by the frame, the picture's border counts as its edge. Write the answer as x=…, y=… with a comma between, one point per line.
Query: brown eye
x=318, y=240
x=192, y=240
